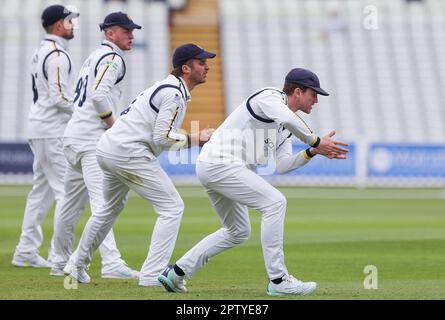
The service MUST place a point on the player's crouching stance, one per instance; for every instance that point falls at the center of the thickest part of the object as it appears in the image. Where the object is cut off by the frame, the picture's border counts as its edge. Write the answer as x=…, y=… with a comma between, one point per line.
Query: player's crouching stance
x=127, y=154
x=96, y=104
x=261, y=126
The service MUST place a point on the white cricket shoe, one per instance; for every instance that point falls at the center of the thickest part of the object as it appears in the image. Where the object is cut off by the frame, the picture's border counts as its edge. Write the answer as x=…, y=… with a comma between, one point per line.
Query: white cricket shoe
x=290, y=286
x=149, y=283
x=79, y=274
x=35, y=262
x=56, y=272
x=123, y=272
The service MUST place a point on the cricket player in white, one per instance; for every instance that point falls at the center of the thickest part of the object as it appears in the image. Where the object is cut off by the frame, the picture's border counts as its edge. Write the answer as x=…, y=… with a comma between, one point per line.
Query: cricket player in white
x=260, y=128
x=127, y=154
x=96, y=106
x=52, y=81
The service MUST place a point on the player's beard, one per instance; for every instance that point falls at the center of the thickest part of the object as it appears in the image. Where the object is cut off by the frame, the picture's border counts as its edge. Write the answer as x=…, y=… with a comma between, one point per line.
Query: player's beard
x=308, y=109
x=69, y=35
x=198, y=79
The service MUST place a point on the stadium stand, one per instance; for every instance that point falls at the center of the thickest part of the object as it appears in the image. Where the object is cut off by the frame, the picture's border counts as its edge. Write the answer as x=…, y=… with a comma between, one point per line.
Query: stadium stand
x=385, y=86
x=382, y=61
x=21, y=32
x=198, y=23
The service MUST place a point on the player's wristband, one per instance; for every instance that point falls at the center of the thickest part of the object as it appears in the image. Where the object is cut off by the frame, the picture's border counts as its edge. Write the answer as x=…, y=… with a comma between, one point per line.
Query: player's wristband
x=309, y=153
x=106, y=115
x=316, y=143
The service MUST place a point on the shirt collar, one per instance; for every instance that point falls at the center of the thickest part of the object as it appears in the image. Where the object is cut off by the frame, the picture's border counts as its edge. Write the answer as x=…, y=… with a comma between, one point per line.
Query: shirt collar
x=183, y=87
x=113, y=46
x=283, y=96
x=286, y=99
x=59, y=40
x=187, y=92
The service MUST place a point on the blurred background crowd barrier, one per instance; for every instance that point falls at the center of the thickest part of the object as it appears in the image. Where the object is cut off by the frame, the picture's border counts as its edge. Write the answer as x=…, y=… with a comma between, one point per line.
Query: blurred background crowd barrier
x=382, y=61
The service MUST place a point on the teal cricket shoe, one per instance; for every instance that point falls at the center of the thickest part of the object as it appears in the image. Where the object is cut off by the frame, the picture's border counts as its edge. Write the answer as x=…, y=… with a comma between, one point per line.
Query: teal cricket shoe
x=171, y=281
x=123, y=272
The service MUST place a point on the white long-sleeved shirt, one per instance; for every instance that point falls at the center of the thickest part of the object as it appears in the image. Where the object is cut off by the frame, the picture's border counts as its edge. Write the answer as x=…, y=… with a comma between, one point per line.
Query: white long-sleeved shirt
x=97, y=93
x=150, y=124
x=52, y=82
x=260, y=128
x=285, y=160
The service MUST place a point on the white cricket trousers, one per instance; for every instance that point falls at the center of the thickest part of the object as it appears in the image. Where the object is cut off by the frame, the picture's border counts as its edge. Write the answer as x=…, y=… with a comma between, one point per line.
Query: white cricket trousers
x=146, y=177
x=232, y=189
x=48, y=171
x=83, y=180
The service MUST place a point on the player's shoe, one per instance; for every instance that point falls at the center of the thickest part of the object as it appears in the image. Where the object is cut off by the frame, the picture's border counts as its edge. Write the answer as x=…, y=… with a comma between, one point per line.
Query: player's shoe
x=79, y=274
x=290, y=286
x=35, y=262
x=149, y=283
x=57, y=272
x=171, y=281
x=123, y=272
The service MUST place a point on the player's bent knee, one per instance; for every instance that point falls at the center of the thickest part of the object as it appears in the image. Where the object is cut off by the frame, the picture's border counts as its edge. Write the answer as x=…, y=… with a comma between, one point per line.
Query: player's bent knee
x=240, y=236
x=278, y=203
x=174, y=209
x=276, y=207
x=281, y=202
x=179, y=207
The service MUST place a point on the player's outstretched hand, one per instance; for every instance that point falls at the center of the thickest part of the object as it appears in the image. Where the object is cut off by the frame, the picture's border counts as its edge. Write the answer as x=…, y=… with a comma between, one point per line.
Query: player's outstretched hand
x=205, y=135
x=336, y=156
x=331, y=148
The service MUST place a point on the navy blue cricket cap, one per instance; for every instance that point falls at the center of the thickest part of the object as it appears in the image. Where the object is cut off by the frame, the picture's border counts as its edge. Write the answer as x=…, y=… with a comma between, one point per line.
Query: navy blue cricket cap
x=119, y=19
x=190, y=51
x=54, y=13
x=305, y=78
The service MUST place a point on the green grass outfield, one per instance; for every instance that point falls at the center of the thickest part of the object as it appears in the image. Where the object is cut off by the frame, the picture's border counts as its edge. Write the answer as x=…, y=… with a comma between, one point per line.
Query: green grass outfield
x=330, y=236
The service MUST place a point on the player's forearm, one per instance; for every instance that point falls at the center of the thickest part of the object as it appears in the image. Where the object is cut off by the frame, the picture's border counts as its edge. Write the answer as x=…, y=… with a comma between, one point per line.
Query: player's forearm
x=58, y=75
x=301, y=132
x=169, y=138
x=277, y=111
x=166, y=131
x=58, y=92
x=102, y=106
x=293, y=162
x=193, y=139
x=101, y=103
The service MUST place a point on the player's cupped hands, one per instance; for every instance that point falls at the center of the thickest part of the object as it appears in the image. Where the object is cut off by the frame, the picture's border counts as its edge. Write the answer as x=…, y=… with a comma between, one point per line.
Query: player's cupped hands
x=201, y=137
x=332, y=148
x=205, y=135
